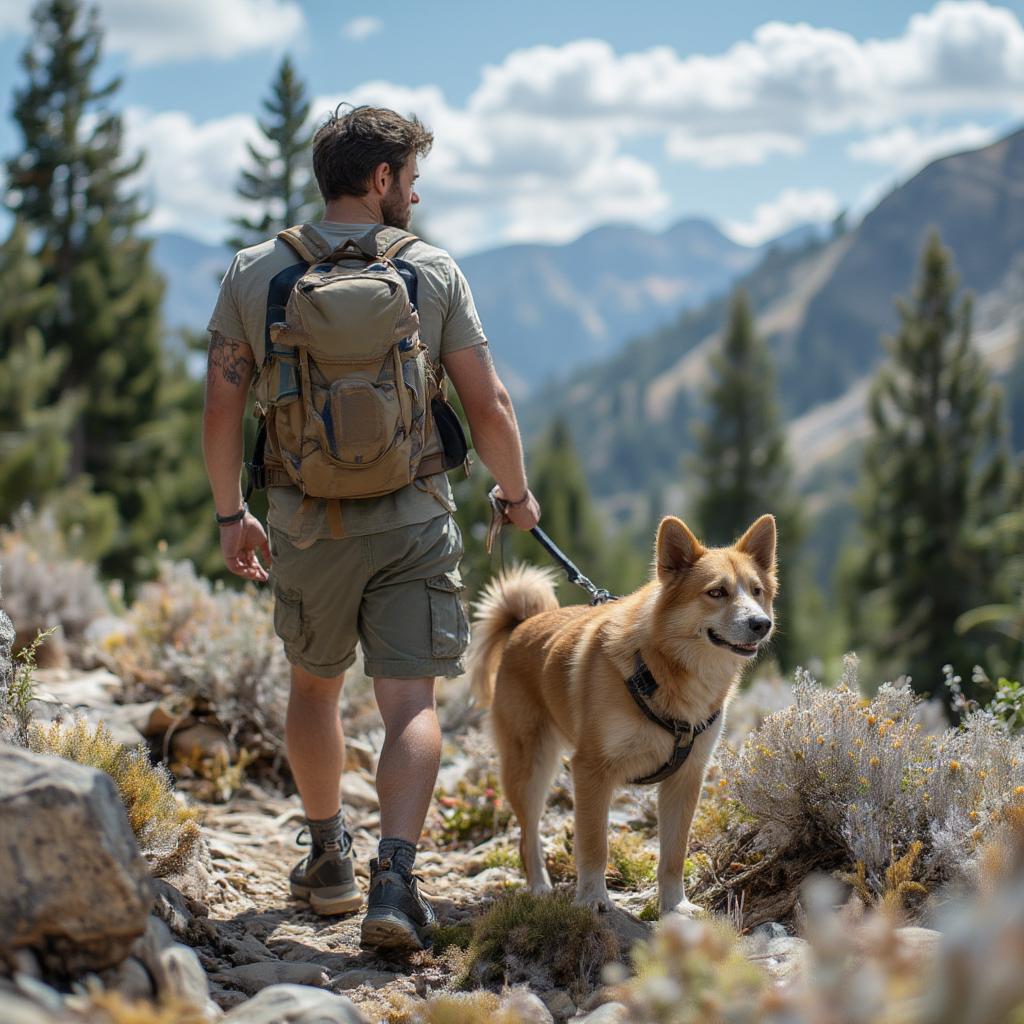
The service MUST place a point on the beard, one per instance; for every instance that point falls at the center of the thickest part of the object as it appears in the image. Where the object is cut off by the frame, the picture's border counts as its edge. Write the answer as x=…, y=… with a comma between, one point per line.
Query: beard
x=393, y=211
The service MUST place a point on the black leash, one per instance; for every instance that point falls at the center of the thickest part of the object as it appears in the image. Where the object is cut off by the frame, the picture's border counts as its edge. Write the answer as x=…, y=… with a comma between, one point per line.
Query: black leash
x=598, y=595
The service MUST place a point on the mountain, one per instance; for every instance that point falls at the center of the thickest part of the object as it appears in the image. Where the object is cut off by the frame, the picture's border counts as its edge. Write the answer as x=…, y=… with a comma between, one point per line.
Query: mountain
x=546, y=308
x=824, y=309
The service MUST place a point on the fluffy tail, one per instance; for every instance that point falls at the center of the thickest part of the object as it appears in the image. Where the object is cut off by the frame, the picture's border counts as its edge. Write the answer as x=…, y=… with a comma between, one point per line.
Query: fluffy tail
x=511, y=598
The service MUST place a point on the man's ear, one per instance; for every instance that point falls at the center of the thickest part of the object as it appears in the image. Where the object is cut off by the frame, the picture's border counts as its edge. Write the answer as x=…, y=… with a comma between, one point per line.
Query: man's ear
x=676, y=549
x=759, y=543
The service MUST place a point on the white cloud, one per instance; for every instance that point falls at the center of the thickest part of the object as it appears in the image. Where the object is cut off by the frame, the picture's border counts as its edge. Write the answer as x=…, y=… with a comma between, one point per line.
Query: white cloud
x=359, y=29
x=157, y=32
x=743, y=149
x=189, y=175
x=907, y=150
x=791, y=207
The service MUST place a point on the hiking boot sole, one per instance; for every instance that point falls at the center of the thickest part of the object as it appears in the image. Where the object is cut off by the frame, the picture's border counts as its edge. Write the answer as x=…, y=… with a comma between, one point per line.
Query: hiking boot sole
x=392, y=933
x=328, y=903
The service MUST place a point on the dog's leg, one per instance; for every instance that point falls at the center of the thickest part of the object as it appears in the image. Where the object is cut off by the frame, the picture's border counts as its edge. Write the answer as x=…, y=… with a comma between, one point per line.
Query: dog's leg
x=528, y=764
x=677, y=802
x=592, y=797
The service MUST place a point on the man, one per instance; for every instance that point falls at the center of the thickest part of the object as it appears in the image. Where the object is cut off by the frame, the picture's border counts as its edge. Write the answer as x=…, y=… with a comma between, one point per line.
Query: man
x=391, y=579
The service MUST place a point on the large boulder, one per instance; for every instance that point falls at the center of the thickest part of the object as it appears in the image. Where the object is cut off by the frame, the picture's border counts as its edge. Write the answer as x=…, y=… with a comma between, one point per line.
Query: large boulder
x=75, y=887
x=295, y=1004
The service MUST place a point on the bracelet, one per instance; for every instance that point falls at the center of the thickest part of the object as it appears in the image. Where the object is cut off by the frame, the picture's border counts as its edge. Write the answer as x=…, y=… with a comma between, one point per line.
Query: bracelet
x=521, y=501
x=235, y=517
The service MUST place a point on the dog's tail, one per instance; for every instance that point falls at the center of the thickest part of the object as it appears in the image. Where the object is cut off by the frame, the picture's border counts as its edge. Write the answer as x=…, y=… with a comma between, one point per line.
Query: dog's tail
x=513, y=597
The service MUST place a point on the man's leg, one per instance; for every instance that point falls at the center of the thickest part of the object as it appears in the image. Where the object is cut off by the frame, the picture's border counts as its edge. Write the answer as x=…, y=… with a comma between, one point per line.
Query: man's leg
x=407, y=768
x=397, y=917
x=316, y=754
x=316, y=744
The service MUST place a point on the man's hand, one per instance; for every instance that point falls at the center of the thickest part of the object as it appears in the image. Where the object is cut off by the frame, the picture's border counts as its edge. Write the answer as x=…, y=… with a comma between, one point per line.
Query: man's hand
x=524, y=514
x=239, y=544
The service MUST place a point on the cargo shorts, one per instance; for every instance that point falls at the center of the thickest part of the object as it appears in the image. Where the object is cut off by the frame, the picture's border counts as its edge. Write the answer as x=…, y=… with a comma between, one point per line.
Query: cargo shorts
x=397, y=593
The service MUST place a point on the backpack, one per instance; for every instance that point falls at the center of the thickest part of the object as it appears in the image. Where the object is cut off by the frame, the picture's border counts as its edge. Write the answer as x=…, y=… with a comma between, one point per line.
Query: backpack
x=347, y=394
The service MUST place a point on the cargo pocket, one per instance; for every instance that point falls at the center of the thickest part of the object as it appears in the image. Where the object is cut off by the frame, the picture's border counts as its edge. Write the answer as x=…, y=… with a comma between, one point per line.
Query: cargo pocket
x=449, y=627
x=288, y=617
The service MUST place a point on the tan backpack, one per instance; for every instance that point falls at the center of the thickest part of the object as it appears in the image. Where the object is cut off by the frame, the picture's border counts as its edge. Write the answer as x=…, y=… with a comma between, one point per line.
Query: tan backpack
x=346, y=386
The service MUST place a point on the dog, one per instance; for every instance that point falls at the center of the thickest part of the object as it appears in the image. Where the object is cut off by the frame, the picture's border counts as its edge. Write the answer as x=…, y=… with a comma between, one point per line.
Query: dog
x=560, y=678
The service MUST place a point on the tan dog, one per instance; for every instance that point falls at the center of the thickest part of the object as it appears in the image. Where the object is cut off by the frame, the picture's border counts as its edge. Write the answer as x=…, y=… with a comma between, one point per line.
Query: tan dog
x=557, y=680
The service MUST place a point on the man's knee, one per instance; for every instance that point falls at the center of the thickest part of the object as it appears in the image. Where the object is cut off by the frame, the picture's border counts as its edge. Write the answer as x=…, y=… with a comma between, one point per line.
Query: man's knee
x=305, y=684
x=401, y=699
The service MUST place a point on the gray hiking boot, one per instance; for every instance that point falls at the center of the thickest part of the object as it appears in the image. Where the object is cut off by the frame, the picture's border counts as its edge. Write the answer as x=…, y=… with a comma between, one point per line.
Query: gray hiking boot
x=327, y=880
x=398, y=919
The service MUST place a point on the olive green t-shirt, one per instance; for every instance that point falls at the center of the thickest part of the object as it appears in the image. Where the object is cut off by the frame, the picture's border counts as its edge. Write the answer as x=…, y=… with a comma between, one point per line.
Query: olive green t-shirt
x=448, y=322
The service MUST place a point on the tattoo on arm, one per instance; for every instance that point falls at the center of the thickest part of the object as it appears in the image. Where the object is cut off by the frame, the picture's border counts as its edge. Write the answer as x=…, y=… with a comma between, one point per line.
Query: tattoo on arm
x=231, y=357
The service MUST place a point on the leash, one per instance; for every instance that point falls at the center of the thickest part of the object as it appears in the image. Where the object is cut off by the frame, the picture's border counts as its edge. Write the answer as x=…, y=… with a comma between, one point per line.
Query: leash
x=598, y=595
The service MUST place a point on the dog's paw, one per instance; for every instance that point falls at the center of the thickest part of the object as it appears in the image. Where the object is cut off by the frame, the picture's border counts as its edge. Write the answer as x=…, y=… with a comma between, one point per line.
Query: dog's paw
x=600, y=904
x=541, y=888
x=684, y=908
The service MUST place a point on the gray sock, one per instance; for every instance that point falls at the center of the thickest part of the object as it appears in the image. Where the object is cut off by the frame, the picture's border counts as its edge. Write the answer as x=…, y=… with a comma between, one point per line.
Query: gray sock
x=329, y=834
x=400, y=852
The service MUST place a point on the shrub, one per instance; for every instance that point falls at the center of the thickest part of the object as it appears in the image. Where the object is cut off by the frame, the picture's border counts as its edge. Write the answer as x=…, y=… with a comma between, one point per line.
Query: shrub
x=631, y=864
x=167, y=833
x=547, y=941
x=474, y=813
x=851, y=783
x=451, y=1008
x=16, y=700
x=214, y=646
x=44, y=585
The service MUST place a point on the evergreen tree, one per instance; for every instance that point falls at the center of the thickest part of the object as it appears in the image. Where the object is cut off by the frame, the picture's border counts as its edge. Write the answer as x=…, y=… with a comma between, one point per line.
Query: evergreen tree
x=281, y=178
x=742, y=468
x=70, y=184
x=936, y=476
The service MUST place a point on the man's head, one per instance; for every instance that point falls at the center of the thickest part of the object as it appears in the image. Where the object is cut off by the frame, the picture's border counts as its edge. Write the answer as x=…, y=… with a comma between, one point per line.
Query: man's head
x=371, y=152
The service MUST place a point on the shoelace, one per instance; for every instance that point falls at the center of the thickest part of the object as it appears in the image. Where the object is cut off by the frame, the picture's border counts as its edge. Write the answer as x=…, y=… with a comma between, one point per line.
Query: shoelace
x=305, y=838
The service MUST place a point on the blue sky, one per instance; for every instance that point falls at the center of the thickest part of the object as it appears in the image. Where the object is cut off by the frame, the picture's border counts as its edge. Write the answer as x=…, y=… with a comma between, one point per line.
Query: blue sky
x=552, y=118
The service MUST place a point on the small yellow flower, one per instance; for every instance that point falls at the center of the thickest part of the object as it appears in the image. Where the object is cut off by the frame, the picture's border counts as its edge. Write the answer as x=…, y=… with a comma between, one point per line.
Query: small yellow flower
x=874, y=762
x=982, y=774
x=896, y=744
x=1019, y=791
x=872, y=719
x=973, y=815
x=863, y=780
x=820, y=741
x=954, y=766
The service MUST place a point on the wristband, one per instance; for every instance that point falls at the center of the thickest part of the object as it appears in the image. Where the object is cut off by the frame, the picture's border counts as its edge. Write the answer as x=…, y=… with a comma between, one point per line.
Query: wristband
x=235, y=517
x=521, y=501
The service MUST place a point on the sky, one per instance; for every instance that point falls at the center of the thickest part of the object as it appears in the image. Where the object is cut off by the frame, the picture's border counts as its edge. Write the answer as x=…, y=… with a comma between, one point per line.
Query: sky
x=553, y=118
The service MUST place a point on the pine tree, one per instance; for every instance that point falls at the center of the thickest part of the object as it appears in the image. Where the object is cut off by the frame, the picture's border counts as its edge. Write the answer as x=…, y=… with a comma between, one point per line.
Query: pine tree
x=936, y=476
x=281, y=179
x=70, y=185
x=741, y=467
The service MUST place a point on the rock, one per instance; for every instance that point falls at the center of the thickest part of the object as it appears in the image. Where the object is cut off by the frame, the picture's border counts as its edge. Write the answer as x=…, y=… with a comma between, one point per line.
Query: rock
x=362, y=976
x=172, y=907
x=358, y=793
x=360, y=754
x=782, y=958
x=295, y=1004
x=18, y=1010
x=246, y=949
x=770, y=930
x=253, y=978
x=193, y=879
x=201, y=741
x=559, y=1003
x=526, y=1007
x=628, y=928
x=607, y=1013
x=130, y=978
x=62, y=823
x=96, y=689
x=6, y=643
x=183, y=977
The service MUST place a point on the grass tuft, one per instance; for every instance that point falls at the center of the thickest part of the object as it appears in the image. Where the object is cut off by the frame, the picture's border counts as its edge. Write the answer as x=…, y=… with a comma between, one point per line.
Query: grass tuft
x=166, y=832
x=546, y=941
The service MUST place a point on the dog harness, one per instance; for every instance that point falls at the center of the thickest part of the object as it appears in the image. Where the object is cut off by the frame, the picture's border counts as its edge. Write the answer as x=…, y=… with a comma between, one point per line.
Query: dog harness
x=642, y=685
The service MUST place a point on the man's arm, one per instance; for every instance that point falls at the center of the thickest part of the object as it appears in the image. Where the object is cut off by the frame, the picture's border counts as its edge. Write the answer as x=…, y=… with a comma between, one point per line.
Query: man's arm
x=228, y=374
x=492, y=421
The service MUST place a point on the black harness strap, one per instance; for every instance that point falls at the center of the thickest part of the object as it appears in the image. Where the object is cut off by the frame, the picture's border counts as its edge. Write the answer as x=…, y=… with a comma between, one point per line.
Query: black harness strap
x=642, y=686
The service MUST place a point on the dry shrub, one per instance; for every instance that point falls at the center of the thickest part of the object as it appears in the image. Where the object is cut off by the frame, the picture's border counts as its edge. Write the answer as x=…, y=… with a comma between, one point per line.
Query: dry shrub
x=451, y=1008
x=167, y=833
x=45, y=586
x=213, y=646
x=841, y=782
x=113, y=1008
x=631, y=863
x=546, y=941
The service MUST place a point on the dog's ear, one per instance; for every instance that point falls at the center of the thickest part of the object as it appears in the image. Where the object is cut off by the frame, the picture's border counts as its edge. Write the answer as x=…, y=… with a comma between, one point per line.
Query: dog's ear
x=676, y=549
x=759, y=543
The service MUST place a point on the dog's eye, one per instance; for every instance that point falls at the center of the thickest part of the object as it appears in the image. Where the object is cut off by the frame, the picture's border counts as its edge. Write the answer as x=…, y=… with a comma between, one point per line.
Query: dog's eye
x=757, y=591
x=717, y=592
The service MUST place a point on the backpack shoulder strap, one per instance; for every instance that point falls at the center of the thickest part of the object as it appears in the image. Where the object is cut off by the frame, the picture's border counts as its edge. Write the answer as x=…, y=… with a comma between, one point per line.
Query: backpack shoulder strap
x=306, y=242
x=391, y=241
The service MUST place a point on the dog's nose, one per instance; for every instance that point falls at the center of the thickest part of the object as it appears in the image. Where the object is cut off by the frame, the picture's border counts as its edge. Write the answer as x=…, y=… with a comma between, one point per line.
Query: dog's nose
x=759, y=624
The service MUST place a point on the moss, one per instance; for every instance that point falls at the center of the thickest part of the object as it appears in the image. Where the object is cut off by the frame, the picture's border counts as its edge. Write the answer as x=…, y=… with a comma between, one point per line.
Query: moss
x=452, y=936
x=631, y=864
x=548, y=941
x=502, y=857
x=165, y=831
